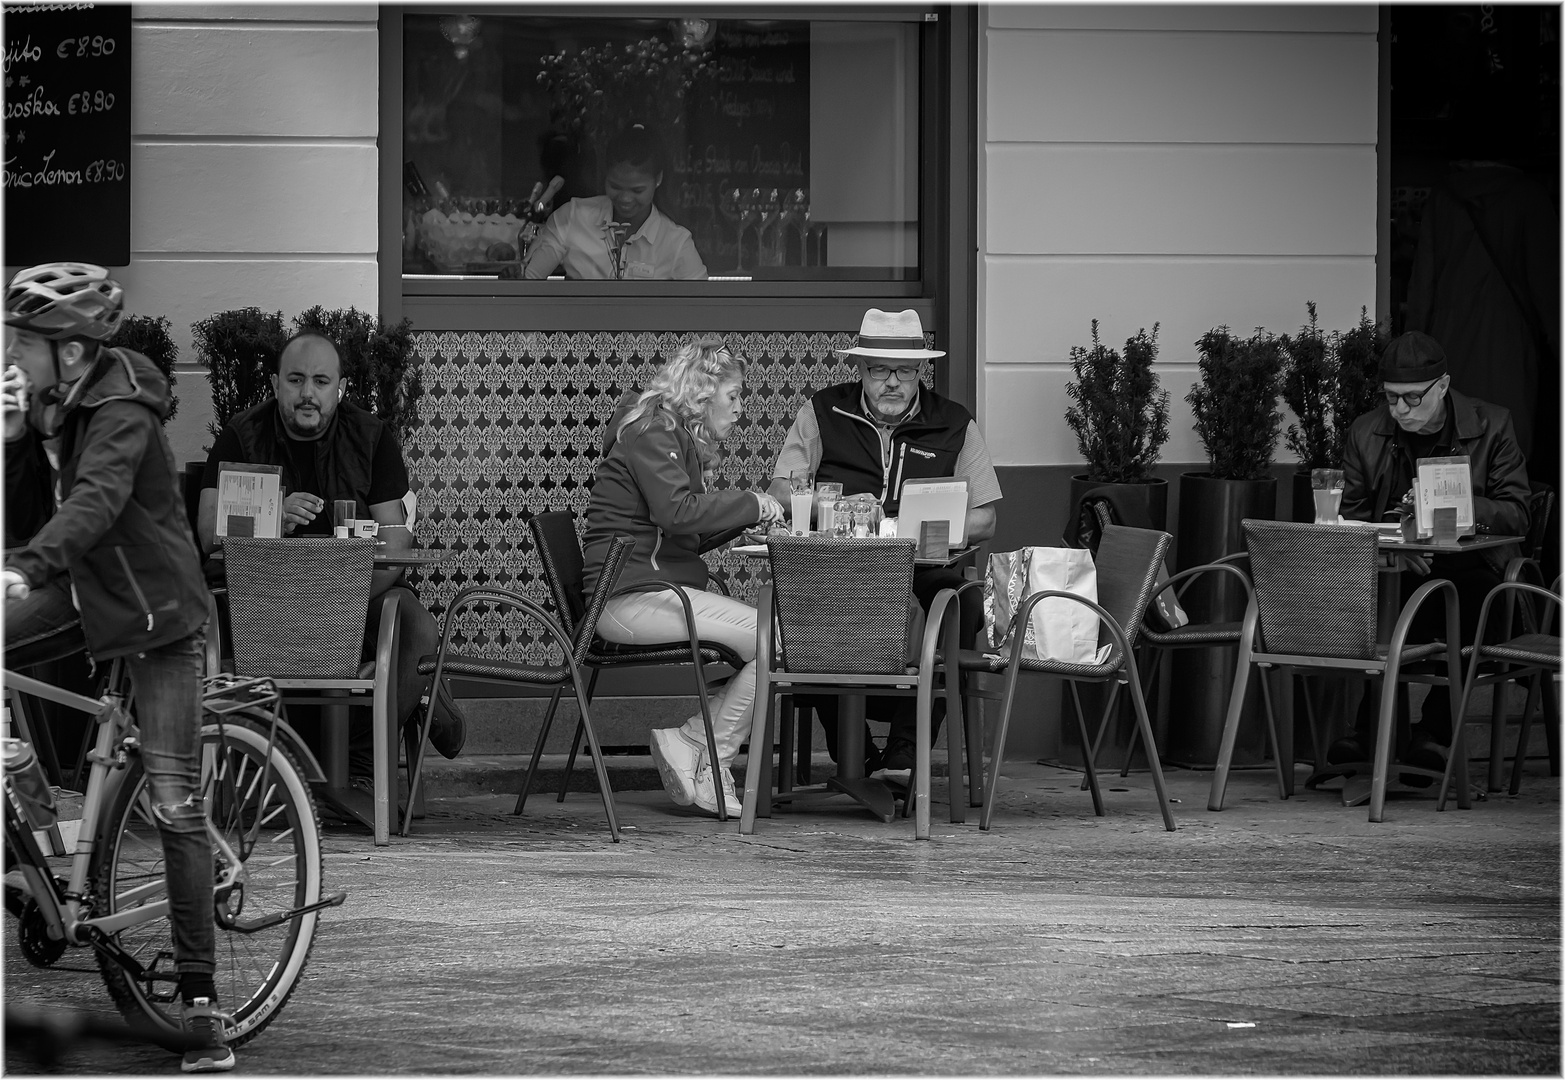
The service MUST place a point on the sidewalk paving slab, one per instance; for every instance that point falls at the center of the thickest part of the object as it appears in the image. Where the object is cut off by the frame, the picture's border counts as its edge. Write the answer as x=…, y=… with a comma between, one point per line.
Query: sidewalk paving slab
x=829, y=943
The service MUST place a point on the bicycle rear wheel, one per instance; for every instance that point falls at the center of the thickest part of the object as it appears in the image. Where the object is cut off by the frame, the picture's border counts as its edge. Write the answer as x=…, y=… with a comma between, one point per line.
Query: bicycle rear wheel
x=274, y=829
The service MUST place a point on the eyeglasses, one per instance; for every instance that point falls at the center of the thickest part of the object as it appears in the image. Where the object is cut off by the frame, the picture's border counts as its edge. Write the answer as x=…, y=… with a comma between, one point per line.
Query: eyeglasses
x=880, y=372
x=1413, y=399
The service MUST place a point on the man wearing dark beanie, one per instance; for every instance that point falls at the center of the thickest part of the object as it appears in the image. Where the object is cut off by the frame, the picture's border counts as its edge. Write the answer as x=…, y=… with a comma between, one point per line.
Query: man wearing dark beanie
x=1420, y=417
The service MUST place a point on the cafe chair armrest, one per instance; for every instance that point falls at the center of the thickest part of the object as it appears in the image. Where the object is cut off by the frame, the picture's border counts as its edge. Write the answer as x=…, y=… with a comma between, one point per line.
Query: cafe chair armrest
x=1404, y=623
x=1185, y=578
x=1119, y=655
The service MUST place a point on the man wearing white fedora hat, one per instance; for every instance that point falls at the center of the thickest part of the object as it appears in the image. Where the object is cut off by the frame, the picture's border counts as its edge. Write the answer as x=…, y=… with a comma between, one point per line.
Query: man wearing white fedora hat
x=871, y=436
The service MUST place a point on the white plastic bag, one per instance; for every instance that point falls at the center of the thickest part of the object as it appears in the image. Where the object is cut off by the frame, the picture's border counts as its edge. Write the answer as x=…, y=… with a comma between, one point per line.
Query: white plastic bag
x=1059, y=629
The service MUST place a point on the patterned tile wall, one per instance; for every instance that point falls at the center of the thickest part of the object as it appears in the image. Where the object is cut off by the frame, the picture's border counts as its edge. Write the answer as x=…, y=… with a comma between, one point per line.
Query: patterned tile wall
x=511, y=424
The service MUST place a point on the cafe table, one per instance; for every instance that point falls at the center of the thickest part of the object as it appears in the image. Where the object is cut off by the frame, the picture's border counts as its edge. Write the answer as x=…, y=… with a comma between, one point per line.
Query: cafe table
x=873, y=794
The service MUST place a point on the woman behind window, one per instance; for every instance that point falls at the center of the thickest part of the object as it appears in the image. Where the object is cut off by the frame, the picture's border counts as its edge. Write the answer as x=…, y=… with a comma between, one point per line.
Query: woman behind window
x=659, y=454
x=619, y=234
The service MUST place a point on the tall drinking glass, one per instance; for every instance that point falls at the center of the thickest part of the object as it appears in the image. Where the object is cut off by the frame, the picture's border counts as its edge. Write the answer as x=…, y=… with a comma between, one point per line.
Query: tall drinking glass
x=1326, y=485
x=803, y=498
x=826, y=496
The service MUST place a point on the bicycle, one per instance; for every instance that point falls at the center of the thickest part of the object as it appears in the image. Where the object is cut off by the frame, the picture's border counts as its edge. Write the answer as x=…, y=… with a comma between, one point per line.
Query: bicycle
x=265, y=833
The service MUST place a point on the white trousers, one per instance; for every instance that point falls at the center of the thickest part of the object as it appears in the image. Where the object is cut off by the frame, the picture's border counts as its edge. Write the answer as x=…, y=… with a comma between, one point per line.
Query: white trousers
x=654, y=618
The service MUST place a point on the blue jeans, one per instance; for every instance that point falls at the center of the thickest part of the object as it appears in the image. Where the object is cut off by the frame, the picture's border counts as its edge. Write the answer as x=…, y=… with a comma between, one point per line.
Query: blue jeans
x=167, y=686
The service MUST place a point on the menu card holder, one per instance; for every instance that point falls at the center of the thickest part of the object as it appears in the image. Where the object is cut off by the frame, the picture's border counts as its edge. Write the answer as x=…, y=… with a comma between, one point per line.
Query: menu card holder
x=934, y=540
x=249, y=500
x=1444, y=482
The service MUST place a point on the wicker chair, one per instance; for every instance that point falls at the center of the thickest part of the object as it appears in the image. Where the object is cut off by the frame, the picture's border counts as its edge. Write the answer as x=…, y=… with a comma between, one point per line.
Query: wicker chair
x=843, y=621
x=297, y=609
x=1314, y=609
x=569, y=671
x=559, y=549
x=1533, y=655
x=1127, y=561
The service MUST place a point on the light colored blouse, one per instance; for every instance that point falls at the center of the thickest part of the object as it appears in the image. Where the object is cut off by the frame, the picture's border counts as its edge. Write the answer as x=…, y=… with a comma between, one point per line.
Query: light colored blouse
x=578, y=236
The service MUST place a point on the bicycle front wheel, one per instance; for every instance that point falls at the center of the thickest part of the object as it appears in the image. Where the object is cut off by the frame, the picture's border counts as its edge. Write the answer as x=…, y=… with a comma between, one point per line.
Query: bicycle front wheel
x=259, y=803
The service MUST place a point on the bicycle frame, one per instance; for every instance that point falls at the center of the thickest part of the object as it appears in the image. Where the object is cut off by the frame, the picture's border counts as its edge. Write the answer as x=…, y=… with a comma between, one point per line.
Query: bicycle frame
x=62, y=910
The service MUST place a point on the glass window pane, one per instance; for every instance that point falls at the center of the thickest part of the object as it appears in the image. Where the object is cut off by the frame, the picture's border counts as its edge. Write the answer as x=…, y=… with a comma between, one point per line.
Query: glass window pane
x=758, y=150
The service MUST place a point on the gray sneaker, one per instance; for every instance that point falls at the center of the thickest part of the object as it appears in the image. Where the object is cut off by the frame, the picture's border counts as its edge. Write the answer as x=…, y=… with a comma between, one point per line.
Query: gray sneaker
x=212, y=1052
x=677, y=762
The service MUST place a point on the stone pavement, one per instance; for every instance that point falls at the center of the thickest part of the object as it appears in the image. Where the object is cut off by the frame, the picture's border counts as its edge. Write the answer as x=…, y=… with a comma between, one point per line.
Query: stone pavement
x=1275, y=937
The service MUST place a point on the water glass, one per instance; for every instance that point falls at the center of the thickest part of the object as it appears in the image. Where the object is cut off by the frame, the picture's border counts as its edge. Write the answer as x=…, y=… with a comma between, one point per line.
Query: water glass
x=342, y=517
x=803, y=499
x=1326, y=486
x=826, y=496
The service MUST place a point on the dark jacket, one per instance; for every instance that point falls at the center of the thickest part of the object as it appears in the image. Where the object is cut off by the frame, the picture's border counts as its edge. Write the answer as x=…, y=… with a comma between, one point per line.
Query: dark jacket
x=121, y=529
x=1483, y=433
x=344, y=455
x=923, y=446
x=29, y=488
x=649, y=487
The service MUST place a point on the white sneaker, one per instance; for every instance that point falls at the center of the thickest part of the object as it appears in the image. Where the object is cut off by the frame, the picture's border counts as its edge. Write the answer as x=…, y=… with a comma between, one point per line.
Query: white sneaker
x=703, y=791
x=677, y=762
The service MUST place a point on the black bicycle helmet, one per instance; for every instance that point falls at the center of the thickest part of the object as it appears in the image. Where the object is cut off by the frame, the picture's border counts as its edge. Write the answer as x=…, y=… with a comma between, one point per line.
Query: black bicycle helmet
x=65, y=300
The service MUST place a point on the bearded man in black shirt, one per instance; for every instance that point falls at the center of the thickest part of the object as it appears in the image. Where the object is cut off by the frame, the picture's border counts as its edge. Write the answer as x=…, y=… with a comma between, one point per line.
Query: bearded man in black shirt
x=328, y=449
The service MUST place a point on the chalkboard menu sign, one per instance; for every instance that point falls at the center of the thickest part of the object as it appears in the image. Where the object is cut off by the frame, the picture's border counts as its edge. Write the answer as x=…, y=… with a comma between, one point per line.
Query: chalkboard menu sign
x=67, y=133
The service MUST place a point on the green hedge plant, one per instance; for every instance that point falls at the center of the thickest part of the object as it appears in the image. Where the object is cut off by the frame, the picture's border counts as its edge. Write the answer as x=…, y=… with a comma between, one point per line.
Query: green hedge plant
x=1356, y=389
x=1119, y=415
x=239, y=349
x=1309, y=378
x=379, y=363
x=1235, y=402
x=149, y=335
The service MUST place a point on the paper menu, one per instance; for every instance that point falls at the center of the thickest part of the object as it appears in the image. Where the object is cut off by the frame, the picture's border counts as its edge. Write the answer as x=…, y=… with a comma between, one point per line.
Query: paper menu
x=1444, y=482
x=249, y=500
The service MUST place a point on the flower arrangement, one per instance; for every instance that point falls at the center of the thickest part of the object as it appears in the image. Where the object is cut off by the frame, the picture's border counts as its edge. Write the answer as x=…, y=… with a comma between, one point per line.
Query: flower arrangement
x=1120, y=417
x=597, y=88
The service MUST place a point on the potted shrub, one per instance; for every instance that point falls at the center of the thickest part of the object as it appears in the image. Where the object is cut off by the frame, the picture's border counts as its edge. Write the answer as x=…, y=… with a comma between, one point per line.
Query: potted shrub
x=1308, y=383
x=378, y=360
x=1120, y=418
x=1356, y=389
x=1237, y=418
x=149, y=335
x=239, y=349
x=1329, y=381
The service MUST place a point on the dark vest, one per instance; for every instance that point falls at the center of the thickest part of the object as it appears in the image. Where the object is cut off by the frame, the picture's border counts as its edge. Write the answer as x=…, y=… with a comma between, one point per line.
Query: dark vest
x=925, y=446
x=344, y=456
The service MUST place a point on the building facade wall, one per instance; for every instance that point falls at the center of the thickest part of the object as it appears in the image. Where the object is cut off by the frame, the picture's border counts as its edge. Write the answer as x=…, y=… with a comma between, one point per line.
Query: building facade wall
x=1188, y=166
x=253, y=147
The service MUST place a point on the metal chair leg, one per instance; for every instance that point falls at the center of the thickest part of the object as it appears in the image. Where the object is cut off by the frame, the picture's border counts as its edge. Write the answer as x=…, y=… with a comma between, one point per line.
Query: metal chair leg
x=1156, y=764
x=1091, y=779
x=543, y=735
x=585, y=724
x=1090, y=751
x=570, y=761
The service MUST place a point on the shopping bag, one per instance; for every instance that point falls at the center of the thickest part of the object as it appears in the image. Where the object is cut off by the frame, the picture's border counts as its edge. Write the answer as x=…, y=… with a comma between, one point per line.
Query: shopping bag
x=1059, y=629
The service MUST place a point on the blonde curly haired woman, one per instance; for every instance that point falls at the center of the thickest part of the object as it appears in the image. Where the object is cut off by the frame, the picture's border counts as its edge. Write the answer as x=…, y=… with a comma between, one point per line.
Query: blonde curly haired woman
x=660, y=452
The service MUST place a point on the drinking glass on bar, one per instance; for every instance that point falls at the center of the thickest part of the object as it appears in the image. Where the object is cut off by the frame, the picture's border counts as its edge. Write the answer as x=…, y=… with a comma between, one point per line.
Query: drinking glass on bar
x=1326, y=485
x=803, y=498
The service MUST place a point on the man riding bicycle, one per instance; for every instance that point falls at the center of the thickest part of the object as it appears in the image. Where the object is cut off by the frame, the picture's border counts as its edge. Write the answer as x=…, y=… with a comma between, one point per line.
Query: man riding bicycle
x=120, y=550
